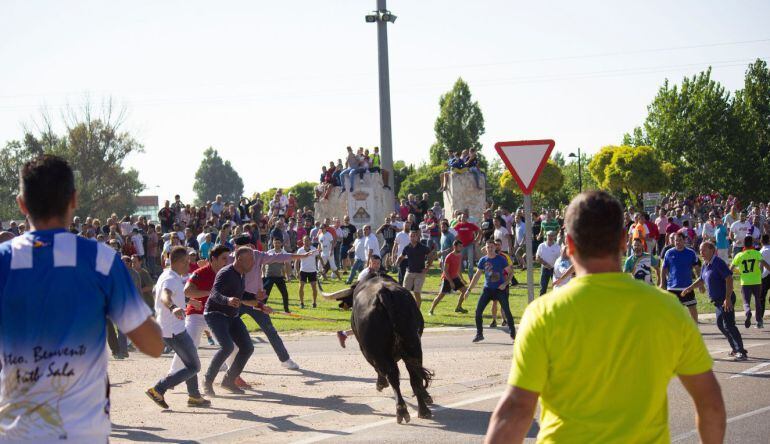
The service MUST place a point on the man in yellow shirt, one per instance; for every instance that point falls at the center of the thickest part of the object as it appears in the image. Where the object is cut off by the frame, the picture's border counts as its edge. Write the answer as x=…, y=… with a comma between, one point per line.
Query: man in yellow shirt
x=601, y=351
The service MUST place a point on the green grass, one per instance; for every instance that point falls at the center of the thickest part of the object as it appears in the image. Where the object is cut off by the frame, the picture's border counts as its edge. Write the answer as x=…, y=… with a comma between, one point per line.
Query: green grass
x=335, y=318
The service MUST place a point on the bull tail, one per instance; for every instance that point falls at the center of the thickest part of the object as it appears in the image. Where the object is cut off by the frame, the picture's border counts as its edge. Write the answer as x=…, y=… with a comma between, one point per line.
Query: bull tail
x=407, y=322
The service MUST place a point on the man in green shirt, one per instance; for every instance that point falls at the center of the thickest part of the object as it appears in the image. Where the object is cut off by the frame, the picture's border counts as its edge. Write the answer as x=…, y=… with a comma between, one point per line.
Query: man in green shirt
x=549, y=224
x=600, y=352
x=749, y=264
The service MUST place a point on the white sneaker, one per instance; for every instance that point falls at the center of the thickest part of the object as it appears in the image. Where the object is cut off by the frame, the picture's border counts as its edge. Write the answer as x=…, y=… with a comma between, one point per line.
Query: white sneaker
x=290, y=364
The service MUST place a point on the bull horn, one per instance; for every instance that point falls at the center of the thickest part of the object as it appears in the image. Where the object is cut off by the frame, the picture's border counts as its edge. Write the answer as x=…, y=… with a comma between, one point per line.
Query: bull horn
x=337, y=295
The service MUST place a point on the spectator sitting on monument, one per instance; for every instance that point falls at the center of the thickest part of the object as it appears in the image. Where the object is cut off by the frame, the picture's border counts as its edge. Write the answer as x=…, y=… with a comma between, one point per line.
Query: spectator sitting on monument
x=376, y=167
x=472, y=163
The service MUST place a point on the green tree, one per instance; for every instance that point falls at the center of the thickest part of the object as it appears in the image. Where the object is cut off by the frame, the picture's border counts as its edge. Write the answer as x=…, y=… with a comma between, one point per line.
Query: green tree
x=694, y=127
x=304, y=192
x=94, y=146
x=752, y=108
x=548, y=184
x=215, y=176
x=498, y=195
x=459, y=125
x=630, y=171
x=401, y=171
x=424, y=179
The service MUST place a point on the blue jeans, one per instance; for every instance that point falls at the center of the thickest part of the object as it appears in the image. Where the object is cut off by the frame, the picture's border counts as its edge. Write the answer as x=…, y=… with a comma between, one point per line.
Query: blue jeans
x=501, y=296
x=726, y=324
x=358, y=265
x=336, y=180
x=476, y=175
x=183, y=346
x=545, y=277
x=352, y=175
x=228, y=330
x=469, y=256
x=343, y=174
x=338, y=254
x=266, y=325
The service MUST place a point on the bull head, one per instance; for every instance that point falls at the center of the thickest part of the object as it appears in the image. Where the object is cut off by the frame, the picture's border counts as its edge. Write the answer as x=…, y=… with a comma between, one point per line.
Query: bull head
x=337, y=295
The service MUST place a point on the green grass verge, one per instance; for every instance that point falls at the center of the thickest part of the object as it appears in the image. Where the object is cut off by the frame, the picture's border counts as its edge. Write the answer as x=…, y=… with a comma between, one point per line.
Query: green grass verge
x=335, y=318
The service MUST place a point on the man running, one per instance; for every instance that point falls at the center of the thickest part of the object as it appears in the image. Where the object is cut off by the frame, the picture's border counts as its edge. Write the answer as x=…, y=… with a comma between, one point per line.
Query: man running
x=676, y=273
x=749, y=263
x=308, y=270
x=718, y=278
x=170, y=309
x=416, y=256
x=494, y=268
x=326, y=247
x=547, y=254
x=601, y=351
x=641, y=264
x=57, y=291
x=198, y=287
x=451, y=278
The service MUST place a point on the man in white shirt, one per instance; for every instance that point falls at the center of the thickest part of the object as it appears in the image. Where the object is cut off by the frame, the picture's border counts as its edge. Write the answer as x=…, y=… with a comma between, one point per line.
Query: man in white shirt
x=503, y=235
x=361, y=253
x=738, y=231
x=308, y=271
x=138, y=241
x=326, y=246
x=546, y=256
x=371, y=242
x=169, y=307
x=401, y=241
x=521, y=235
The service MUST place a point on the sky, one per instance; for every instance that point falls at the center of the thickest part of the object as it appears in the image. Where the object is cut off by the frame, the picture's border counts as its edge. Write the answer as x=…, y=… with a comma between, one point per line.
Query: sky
x=280, y=88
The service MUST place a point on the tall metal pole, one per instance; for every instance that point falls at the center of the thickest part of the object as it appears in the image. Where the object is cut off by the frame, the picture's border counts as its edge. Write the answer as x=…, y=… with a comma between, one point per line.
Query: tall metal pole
x=580, y=171
x=528, y=240
x=386, y=141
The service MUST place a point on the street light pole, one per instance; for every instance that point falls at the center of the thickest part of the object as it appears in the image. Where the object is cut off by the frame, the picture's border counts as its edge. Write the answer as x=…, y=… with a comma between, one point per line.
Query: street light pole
x=382, y=16
x=580, y=168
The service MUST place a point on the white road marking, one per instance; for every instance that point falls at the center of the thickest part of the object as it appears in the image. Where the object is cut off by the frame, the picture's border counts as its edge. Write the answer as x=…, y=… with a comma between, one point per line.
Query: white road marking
x=751, y=371
x=694, y=433
x=371, y=425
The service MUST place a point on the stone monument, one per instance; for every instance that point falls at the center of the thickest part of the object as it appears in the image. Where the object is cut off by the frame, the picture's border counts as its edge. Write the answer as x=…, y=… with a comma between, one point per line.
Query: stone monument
x=462, y=194
x=369, y=203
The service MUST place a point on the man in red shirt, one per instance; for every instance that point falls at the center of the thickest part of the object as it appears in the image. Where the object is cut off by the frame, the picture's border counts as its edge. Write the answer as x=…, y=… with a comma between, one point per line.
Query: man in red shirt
x=468, y=233
x=451, y=279
x=198, y=287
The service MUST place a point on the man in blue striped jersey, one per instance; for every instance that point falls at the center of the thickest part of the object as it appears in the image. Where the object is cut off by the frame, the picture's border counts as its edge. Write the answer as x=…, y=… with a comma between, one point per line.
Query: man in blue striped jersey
x=56, y=292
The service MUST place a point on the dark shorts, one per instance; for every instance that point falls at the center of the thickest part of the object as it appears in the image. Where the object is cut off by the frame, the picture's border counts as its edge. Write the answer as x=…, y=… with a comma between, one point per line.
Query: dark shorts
x=446, y=288
x=687, y=301
x=344, y=249
x=305, y=276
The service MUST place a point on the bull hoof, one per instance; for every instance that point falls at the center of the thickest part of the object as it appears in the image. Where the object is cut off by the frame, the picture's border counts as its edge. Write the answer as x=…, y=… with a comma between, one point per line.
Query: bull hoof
x=425, y=414
x=428, y=399
x=381, y=384
x=402, y=414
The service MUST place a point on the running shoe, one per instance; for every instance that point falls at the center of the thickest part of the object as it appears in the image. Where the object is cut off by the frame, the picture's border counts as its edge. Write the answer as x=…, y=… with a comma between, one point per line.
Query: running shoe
x=478, y=338
x=208, y=388
x=493, y=324
x=760, y=324
x=198, y=401
x=341, y=336
x=314, y=305
x=740, y=357
x=504, y=323
x=747, y=324
x=241, y=383
x=461, y=310
x=156, y=397
x=211, y=341
x=290, y=364
x=231, y=387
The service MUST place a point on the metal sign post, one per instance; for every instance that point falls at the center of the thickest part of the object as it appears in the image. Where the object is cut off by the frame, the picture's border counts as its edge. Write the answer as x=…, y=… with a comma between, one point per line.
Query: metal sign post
x=525, y=159
x=528, y=239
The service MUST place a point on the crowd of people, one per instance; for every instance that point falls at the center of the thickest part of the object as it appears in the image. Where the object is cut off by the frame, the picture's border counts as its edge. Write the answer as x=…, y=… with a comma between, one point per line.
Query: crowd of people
x=198, y=270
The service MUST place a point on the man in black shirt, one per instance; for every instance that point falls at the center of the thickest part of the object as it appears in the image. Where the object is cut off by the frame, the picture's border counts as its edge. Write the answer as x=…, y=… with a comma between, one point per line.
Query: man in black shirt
x=221, y=315
x=348, y=237
x=388, y=233
x=416, y=256
x=487, y=226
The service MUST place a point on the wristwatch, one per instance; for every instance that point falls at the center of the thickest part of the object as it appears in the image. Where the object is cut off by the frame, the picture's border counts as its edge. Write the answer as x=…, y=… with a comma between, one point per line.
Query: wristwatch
x=172, y=307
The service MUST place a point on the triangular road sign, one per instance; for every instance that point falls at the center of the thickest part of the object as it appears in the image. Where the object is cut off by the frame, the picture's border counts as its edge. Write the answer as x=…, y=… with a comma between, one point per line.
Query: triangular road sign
x=525, y=160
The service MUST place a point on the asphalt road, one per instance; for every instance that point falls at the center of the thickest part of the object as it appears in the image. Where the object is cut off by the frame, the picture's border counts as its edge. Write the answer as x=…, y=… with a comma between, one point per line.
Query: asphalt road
x=333, y=398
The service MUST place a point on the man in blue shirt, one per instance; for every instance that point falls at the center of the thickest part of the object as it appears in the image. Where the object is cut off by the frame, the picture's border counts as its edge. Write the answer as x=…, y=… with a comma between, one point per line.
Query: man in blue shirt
x=718, y=278
x=720, y=236
x=497, y=275
x=676, y=273
x=58, y=290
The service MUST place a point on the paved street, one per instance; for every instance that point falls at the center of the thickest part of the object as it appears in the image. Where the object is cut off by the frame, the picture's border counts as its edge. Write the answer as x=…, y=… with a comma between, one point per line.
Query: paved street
x=333, y=398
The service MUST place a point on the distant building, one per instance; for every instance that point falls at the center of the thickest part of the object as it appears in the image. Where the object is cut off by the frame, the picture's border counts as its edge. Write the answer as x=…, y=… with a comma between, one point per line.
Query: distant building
x=147, y=206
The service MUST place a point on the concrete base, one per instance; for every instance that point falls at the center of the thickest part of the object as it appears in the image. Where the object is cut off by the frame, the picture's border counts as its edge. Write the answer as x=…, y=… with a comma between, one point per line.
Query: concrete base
x=462, y=194
x=368, y=204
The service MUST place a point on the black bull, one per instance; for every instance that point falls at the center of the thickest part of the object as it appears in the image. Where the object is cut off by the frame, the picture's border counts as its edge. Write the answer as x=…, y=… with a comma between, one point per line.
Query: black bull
x=388, y=326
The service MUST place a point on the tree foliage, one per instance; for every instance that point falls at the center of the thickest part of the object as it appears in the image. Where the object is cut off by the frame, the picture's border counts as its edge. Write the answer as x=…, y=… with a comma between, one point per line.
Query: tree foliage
x=215, y=176
x=550, y=181
x=95, y=146
x=424, y=179
x=459, y=125
x=304, y=192
x=629, y=171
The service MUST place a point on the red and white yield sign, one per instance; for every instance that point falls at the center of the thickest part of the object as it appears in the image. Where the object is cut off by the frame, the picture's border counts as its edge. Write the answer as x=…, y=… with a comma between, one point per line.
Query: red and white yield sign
x=525, y=160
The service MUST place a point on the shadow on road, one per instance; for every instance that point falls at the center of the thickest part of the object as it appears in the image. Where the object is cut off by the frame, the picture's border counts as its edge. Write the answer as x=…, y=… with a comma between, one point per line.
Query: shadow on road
x=317, y=377
x=468, y=422
x=141, y=434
